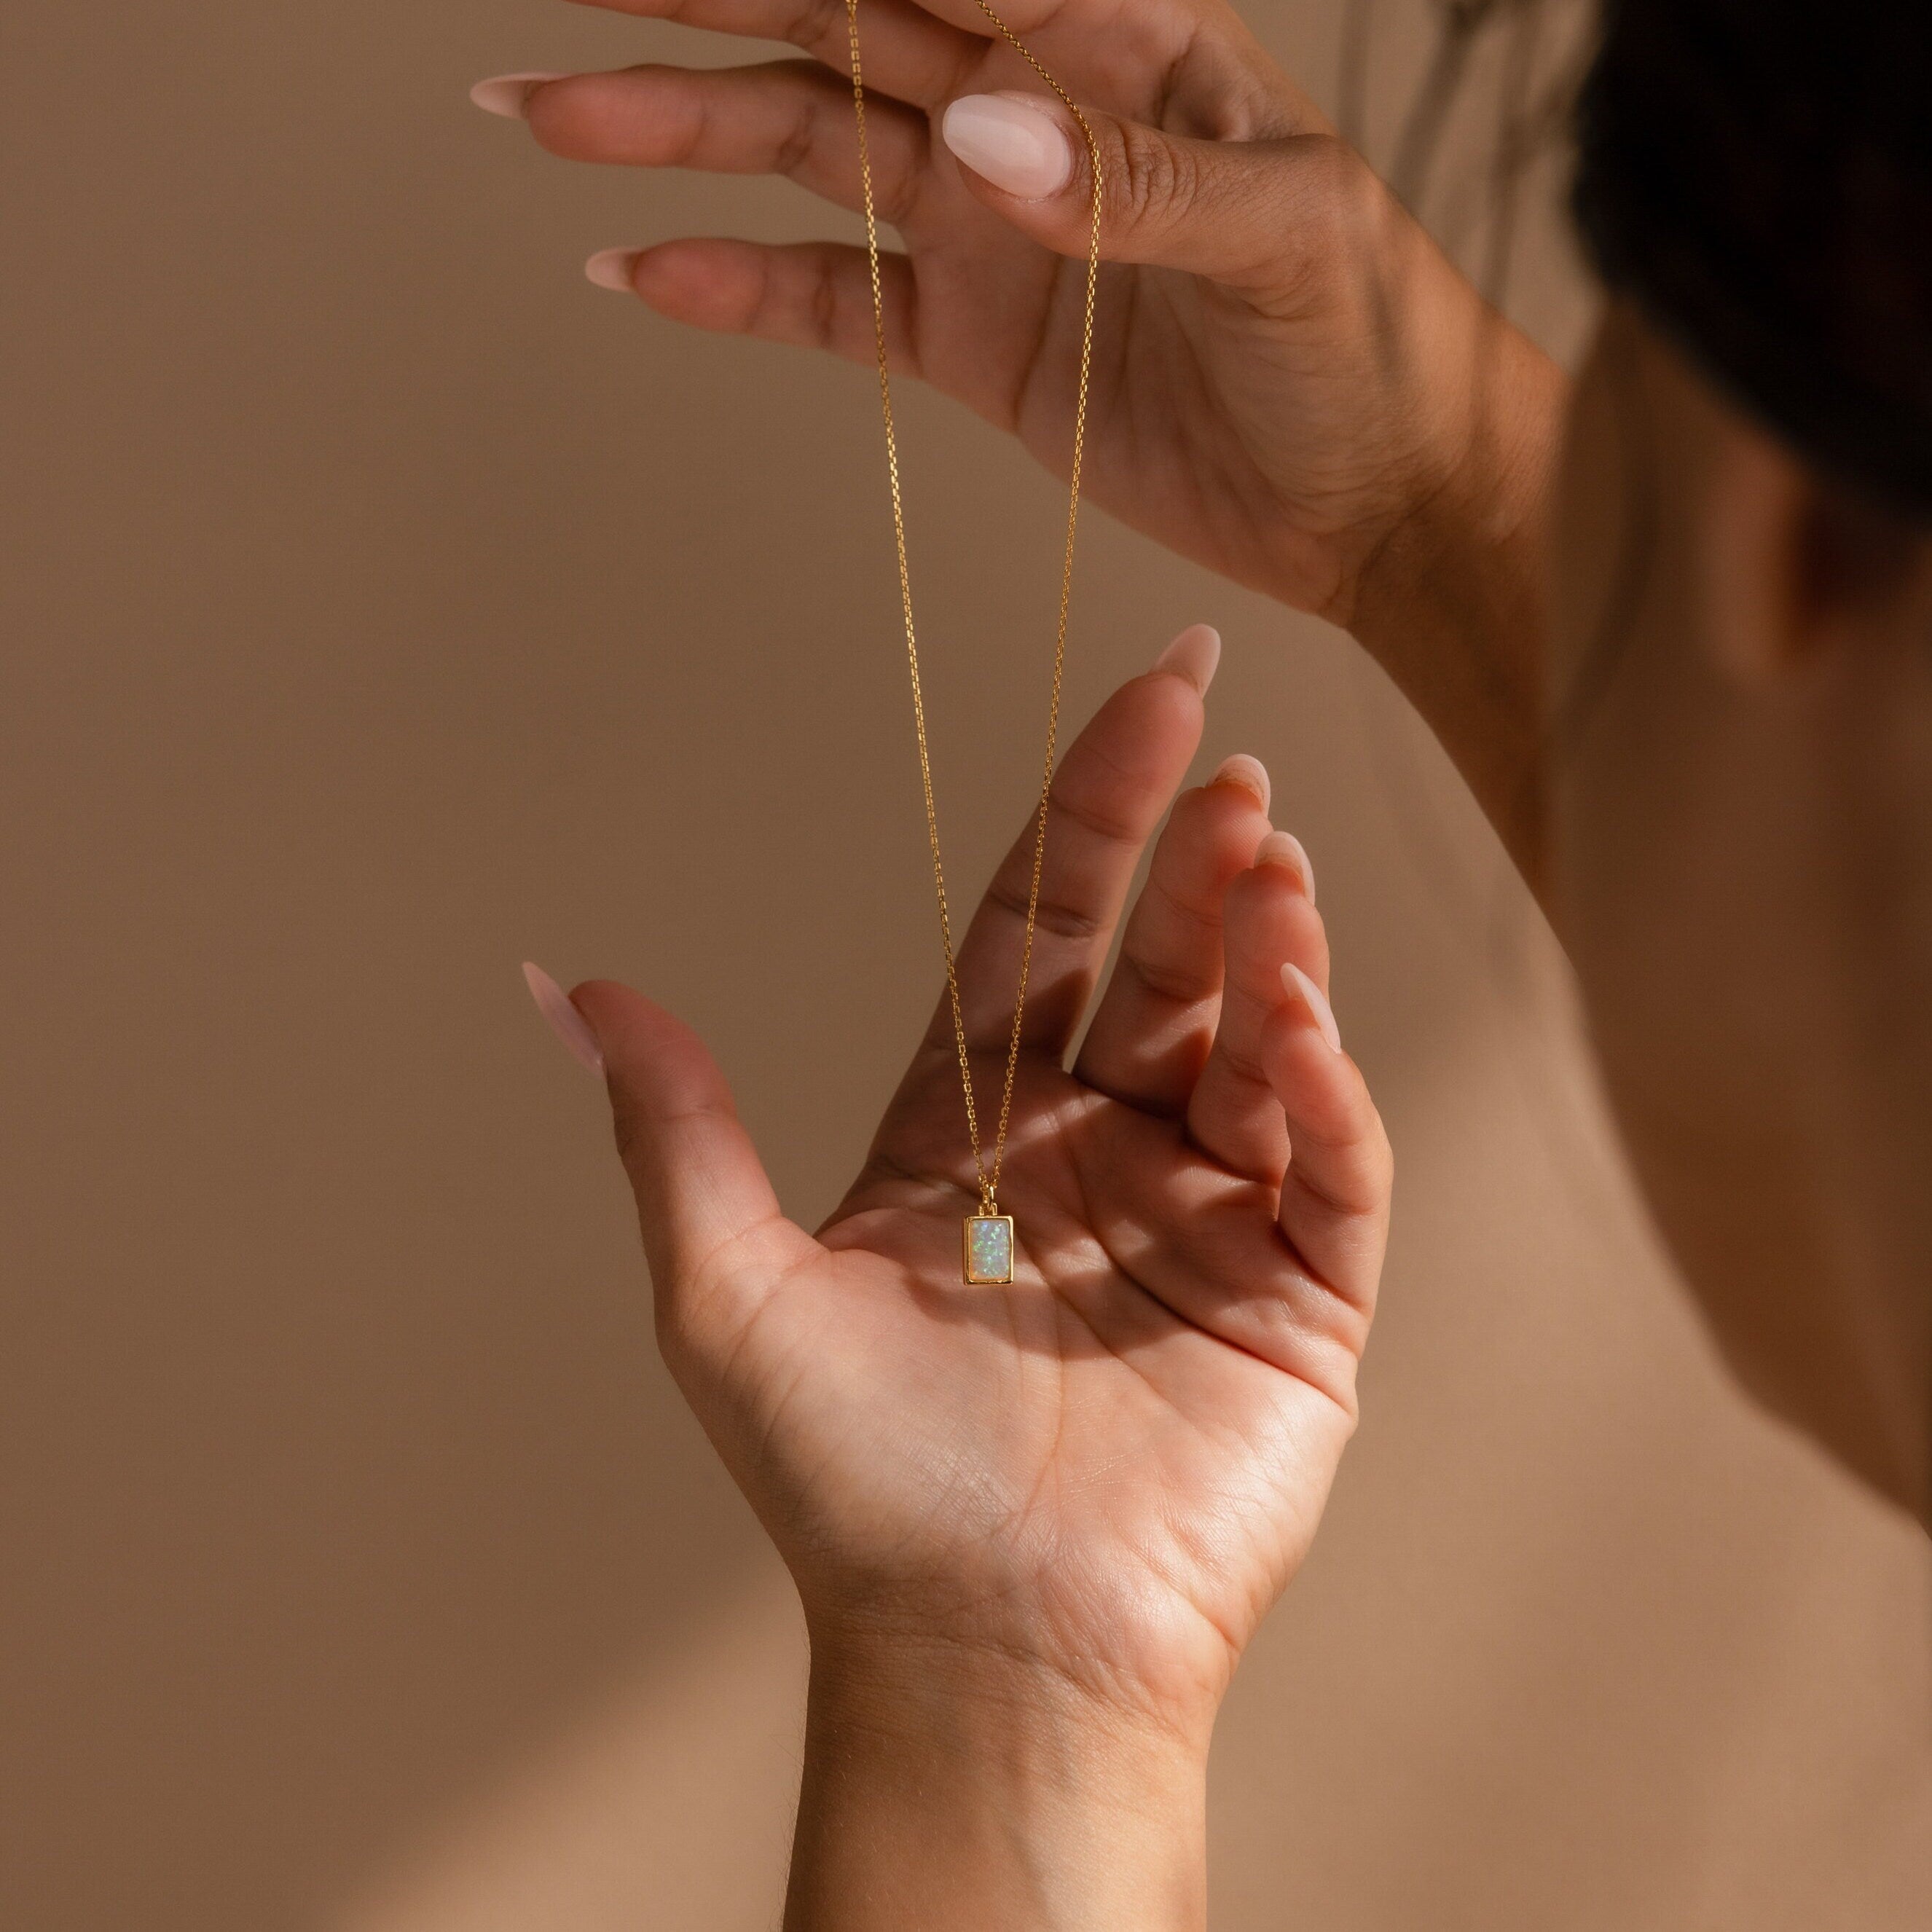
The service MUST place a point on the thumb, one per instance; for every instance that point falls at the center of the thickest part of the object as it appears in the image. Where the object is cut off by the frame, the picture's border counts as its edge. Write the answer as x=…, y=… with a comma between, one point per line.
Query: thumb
x=1246, y=213
x=713, y=1233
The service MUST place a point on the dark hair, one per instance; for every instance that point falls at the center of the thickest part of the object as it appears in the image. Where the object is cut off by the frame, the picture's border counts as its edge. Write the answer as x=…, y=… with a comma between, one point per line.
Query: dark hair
x=1756, y=175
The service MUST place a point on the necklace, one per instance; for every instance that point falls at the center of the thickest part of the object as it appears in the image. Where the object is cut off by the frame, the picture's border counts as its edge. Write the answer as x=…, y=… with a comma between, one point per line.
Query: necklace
x=986, y=1238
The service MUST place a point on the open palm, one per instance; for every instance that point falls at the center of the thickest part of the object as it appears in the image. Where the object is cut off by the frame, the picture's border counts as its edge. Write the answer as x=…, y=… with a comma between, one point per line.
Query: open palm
x=1256, y=404
x=1114, y=1465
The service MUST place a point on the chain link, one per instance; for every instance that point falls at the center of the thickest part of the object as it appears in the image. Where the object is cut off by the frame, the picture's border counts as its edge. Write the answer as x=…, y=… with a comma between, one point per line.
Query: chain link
x=988, y=1178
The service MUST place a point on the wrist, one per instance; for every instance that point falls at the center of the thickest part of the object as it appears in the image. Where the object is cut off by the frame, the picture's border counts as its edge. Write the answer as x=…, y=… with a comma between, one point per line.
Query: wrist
x=947, y=1787
x=1467, y=543
x=1452, y=600
x=999, y=1704
x=1161, y=1680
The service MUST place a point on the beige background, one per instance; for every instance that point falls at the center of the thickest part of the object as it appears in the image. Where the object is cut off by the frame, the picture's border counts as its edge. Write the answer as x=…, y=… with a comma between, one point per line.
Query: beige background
x=382, y=605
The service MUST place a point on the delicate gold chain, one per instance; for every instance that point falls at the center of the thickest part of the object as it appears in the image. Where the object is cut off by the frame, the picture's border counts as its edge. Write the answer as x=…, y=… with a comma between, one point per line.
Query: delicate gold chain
x=988, y=1179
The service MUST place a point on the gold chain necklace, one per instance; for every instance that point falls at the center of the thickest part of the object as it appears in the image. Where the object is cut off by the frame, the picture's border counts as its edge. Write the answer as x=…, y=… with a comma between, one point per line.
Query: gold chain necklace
x=986, y=1239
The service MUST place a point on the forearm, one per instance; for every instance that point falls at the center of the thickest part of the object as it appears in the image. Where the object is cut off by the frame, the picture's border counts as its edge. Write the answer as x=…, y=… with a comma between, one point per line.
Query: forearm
x=941, y=1795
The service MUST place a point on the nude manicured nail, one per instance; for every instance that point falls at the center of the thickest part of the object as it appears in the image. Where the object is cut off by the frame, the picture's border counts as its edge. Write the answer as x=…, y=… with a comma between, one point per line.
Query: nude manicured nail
x=1249, y=773
x=1322, y=1013
x=1283, y=848
x=508, y=94
x=565, y=1021
x=1194, y=655
x=612, y=268
x=1012, y=142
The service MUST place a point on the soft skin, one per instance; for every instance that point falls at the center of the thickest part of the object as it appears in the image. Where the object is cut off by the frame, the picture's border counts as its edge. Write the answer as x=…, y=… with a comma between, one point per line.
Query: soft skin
x=1744, y=788
x=1033, y=1527
x=1012, y=1690
x=1292, y=386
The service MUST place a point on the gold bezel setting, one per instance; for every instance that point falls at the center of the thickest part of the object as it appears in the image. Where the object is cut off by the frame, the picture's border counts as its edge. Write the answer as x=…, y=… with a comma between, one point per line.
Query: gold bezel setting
x=978, y=1271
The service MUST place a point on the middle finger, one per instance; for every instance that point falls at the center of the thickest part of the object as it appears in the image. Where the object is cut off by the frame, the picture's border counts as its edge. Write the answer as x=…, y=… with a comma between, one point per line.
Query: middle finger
x=1153, y=1028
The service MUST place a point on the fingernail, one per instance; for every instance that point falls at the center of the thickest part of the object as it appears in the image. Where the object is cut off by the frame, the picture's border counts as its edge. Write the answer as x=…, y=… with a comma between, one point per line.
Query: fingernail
x=1283, y=848
x=565, y=1021
x=1013, y=143
x=508, y=94
x=612, y=267
x=1194, y=655
x=1297, y=981
x=1249, y=773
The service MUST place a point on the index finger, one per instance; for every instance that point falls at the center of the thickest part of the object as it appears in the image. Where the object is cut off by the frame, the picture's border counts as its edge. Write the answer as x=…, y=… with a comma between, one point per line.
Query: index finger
x=908, y=51
x=1108, y=795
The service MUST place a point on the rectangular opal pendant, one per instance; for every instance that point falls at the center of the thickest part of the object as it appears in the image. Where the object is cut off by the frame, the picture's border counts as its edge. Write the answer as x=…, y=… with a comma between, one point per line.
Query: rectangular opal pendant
x=987, y=1240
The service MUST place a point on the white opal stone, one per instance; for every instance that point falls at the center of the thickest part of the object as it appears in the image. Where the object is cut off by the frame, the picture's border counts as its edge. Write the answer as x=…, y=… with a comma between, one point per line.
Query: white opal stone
x=989, y=1248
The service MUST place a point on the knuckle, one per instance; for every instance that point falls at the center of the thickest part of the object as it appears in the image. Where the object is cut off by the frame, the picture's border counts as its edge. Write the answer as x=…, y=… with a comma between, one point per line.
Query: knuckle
x=1245, y=1068
x=1152, y=180
x=1060, y=917
x=1193, y=919
x=896, y=190
x=794, y=146
x=1183, y=984
x=1348, y=1195
x=1374, y=1173
x=1093, y=799
x=823, y=307
x=814, y=22
x=1335, y=202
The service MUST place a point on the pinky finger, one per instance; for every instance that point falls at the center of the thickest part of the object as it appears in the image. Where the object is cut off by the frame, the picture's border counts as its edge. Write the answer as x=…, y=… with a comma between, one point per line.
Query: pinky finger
x=813, y=295
x=1335, y=1196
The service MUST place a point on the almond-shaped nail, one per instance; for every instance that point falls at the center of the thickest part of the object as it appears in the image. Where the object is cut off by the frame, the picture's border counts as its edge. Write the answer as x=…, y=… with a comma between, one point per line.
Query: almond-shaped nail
x=1195, y=655
x=509, y=95
x=1011, y=140
x=1316, y=1001
x=565, y=1021
x=1249, y=773
x=613, y=268
x=1283, y=848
